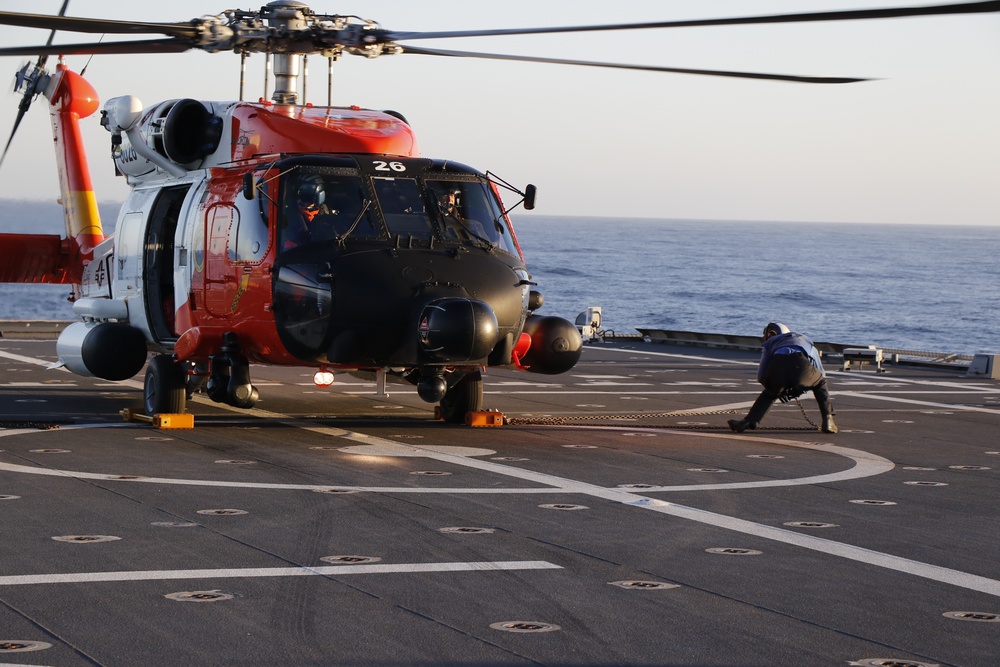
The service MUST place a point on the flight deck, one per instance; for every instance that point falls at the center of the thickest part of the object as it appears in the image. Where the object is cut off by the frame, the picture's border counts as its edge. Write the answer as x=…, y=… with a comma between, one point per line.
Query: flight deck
x=613, y=520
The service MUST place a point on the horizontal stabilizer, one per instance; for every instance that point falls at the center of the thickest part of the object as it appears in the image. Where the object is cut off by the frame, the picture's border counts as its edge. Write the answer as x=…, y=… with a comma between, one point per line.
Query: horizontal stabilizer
x=38, y=258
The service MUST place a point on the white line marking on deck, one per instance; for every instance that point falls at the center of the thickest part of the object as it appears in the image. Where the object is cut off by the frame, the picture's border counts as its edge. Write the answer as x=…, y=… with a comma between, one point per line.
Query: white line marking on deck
x=690, y=357
x=256, y=572
x=931, y=404
x=865, y=465
x=850, y=552
x=28, y=360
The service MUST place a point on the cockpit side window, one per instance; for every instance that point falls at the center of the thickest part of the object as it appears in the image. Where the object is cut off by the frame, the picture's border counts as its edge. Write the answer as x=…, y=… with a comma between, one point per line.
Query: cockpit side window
x=317, y=206
x=468, y=210
x=403, y=207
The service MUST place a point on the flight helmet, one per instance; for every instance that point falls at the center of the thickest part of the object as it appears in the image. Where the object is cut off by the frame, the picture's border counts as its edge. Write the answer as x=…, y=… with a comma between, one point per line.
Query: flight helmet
x=775, y=328
x=311, y=193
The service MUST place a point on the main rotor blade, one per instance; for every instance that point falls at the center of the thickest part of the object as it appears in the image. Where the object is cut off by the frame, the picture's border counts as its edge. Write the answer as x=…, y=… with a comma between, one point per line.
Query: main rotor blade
x=100, y=26
x=101, y=48
x=30, y=92
x=17, y=122
x=845, y=15
x=62, y=12
x=647, y=68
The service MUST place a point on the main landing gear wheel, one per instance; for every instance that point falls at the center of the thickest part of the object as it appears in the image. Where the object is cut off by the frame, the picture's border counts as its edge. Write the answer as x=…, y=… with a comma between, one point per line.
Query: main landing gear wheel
x=465, y=396
x=165, y=388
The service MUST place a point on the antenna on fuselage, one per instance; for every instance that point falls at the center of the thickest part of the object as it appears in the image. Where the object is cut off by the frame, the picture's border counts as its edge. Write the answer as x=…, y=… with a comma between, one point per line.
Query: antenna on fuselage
x=267, y=74
x=329, y=81
x=243, y=74
x=305, y=77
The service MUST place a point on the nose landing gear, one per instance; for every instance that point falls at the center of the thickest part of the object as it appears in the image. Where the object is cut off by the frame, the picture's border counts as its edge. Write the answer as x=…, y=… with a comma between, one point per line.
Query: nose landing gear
x=465, y=394
x=463, y=397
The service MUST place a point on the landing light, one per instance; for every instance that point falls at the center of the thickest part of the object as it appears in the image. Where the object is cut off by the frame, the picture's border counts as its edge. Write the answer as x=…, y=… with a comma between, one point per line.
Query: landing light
x=323, y=378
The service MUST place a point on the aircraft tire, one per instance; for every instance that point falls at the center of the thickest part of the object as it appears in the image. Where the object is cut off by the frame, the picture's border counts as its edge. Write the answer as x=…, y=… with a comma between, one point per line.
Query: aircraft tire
x=165, y=390
x=464, y=396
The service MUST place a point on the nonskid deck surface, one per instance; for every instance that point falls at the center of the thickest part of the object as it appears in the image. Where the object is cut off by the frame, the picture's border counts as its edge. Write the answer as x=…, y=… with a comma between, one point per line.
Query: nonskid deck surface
x=335, y=527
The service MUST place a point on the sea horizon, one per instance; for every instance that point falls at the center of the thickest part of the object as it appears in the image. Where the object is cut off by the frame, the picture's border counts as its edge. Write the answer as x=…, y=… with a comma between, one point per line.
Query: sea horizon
x=920, y=287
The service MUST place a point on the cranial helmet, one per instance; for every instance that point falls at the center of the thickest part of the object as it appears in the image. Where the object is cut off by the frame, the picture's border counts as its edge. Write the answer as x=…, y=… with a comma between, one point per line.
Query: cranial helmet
x=775, y=328
x=311, y=193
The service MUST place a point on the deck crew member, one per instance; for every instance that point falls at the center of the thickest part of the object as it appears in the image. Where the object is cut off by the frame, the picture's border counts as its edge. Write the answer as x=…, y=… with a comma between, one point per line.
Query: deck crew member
x=789, y=366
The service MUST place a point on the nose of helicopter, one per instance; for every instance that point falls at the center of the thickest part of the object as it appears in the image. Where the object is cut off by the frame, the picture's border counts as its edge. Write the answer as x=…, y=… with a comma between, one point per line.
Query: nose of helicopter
x=368, y=310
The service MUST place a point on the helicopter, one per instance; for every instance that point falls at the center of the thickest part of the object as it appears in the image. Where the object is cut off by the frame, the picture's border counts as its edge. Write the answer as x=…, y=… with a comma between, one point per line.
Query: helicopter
x=276, y=232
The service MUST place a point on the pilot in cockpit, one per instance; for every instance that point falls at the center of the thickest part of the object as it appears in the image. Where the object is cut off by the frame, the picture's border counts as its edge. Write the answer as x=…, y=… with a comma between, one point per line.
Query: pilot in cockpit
x=448, y=204
x=456, y=224
x=300, y=214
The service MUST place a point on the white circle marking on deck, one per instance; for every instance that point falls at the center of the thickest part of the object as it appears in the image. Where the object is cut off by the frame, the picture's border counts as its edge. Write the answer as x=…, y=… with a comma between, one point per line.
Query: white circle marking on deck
x=866, y=465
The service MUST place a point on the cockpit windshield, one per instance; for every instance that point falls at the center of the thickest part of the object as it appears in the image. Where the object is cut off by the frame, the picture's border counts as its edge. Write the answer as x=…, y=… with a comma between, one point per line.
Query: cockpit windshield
x=468, y=210
x=317, y=205
x=403, y=207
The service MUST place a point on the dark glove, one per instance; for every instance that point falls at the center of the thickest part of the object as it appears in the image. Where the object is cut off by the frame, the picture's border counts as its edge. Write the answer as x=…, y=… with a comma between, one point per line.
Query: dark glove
x=790, y=394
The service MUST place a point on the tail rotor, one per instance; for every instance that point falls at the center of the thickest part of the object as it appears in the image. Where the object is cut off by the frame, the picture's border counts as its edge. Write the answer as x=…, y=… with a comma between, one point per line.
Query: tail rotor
x=32, y=79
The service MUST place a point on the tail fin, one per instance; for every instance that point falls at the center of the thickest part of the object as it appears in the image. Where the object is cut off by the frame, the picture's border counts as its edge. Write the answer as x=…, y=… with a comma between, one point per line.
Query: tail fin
x=71, y=98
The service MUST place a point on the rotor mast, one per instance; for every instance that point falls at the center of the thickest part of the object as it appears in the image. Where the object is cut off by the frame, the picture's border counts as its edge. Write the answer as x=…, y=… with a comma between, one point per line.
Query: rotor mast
x=293, y=32
x=286, y=17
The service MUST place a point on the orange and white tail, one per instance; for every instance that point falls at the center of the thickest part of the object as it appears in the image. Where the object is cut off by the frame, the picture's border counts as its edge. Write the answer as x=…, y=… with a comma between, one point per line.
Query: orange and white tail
x=45, y=258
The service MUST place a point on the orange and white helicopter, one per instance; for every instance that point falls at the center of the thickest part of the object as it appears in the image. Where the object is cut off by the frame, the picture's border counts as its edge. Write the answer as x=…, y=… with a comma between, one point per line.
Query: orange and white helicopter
x=278, y=233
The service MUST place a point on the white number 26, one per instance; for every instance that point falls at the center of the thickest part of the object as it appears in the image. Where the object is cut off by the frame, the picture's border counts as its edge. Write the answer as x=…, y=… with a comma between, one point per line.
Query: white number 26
x=382, y=165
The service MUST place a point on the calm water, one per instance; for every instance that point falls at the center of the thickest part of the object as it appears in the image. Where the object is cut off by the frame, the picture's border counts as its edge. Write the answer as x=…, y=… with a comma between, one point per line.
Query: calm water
x=911, y=287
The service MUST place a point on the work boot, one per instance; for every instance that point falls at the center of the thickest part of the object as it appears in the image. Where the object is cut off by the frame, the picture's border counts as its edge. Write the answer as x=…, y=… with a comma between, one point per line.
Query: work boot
x=828, y=425
x=740, y=425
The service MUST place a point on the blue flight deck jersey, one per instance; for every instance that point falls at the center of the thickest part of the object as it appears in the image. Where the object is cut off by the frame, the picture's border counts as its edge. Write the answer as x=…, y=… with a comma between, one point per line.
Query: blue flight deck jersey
x=788, y=343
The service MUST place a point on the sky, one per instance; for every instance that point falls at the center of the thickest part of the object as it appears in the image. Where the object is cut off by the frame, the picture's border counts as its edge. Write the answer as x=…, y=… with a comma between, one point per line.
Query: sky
x=920, y=144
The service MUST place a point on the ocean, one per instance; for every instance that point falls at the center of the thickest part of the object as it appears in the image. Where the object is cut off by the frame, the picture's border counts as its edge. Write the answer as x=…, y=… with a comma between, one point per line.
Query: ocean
x=911, y=287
